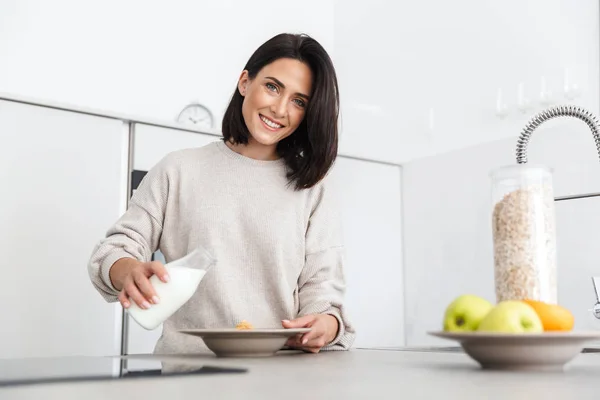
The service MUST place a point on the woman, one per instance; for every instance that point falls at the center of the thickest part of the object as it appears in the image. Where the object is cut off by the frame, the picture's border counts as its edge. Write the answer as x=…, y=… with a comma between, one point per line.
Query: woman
x=258, y=201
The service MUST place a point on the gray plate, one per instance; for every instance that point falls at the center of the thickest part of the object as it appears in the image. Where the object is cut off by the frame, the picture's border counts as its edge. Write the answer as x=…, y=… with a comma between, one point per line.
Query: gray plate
x=245, y=343
x=521, y=351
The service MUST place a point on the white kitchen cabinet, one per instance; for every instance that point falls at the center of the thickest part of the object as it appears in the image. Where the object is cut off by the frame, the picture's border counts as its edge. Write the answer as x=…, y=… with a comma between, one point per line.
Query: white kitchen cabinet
x=370, y=198
x=447, y=220
x=63, y=178
x=151, y=145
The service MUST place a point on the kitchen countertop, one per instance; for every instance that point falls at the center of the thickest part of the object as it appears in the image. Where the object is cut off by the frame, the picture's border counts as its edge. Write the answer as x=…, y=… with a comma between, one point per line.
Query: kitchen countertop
x=359, y=373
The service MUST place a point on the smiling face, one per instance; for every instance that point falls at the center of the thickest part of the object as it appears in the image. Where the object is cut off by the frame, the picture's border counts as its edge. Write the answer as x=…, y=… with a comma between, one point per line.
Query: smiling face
x=275, y=101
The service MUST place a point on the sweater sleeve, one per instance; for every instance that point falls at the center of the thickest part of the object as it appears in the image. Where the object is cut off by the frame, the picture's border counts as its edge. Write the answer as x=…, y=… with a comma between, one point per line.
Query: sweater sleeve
x=322, y=284
x=136, y=234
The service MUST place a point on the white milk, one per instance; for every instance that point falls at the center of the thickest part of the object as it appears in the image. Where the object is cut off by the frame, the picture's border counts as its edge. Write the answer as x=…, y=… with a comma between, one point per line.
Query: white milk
x=172, y=295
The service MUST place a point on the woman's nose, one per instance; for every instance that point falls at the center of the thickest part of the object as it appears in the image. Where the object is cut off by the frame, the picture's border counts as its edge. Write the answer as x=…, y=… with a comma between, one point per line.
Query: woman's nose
x=279, y=108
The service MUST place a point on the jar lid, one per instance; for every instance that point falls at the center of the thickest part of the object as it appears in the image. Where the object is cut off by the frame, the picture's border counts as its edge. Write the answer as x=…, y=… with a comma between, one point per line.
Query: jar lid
x=533, y=171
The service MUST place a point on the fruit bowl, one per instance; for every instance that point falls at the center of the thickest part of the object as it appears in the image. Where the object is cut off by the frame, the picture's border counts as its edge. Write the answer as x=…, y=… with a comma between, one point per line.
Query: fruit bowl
x=521, y=351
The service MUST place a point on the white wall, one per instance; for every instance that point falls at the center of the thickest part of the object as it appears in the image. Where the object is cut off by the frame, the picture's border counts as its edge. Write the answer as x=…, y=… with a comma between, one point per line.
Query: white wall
x=448, y=233
x=396, y=60
x=578, y=230
x=148, y=58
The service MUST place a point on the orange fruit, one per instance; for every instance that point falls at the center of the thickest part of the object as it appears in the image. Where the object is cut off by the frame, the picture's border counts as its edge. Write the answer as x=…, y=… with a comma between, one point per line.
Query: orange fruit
x=553, y=316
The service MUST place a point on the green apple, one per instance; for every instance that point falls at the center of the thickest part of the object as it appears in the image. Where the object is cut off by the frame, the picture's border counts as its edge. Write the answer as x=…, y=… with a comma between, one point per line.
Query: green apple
x=512, y=316
x=465, y=313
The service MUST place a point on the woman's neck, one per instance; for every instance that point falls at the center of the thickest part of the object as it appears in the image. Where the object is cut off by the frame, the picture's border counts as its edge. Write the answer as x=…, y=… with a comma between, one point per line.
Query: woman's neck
x=255, y=150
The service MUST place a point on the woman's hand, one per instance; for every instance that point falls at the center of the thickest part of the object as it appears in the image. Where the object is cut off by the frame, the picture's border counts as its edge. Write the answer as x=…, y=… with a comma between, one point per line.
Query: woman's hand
x=324, y=330
x=131, y=277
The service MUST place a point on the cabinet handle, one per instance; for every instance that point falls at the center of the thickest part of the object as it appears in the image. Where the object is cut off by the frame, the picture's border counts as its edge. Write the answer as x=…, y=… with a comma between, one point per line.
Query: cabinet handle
x=596, y=283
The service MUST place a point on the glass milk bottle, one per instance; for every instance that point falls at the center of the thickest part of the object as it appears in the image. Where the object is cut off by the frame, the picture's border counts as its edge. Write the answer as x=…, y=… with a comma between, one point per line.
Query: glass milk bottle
x=185, y=275
x=523, y=232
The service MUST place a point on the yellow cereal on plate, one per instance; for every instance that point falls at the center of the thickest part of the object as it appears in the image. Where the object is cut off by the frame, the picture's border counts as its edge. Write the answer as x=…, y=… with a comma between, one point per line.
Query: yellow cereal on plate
x=244, y=325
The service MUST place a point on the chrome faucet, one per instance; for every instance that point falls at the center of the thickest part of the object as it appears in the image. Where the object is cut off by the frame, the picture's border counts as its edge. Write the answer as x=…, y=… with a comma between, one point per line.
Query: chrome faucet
x=558, y=111
x=523, y=141
x=596, y=283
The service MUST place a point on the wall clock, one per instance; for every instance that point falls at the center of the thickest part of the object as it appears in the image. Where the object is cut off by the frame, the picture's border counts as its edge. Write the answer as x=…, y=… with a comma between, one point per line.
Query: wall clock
x=198, y=115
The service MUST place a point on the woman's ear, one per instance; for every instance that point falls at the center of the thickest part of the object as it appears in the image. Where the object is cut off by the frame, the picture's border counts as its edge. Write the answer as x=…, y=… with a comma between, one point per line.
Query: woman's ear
x=243, y=82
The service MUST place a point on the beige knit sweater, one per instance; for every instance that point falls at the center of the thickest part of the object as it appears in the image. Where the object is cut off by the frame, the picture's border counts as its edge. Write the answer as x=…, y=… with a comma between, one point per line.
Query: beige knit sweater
x=279, y=252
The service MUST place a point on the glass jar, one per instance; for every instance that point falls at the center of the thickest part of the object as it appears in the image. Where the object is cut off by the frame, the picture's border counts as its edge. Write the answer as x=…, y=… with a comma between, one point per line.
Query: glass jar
x=524, y=233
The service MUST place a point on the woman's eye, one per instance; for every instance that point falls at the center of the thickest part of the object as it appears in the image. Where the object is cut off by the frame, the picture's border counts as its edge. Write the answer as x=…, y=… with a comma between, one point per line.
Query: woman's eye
x=271, y=87
x=300, y=103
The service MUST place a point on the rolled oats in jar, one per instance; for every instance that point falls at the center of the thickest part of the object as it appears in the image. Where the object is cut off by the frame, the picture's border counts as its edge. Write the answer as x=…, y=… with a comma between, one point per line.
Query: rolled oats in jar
x=524, y=233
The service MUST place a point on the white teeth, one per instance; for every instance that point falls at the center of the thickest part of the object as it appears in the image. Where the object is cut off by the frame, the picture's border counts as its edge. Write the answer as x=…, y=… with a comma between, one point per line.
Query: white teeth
x=270, y=123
